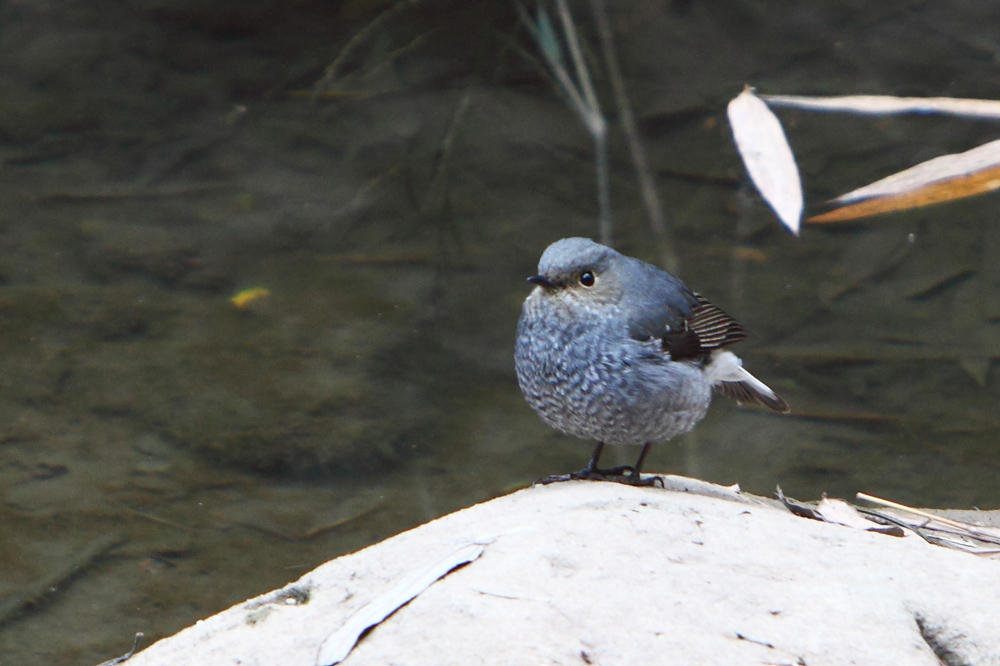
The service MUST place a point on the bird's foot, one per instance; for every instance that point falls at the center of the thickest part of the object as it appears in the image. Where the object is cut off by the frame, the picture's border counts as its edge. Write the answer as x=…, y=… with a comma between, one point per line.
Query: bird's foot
x=555, y=478
x=614, y=471
x=625, y=474
x=634, y=479
x=583, y=475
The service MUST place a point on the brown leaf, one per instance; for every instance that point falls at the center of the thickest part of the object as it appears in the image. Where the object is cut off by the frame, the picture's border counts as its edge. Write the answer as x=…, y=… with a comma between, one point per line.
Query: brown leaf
x=928, y=195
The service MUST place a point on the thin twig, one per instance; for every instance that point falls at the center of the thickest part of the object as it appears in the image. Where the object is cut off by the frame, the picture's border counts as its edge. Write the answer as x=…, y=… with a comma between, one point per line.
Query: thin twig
x=603, y=188
x=562, y=76
x=391, y=56
x=156, y=519
x=333, y=69
x=596, y=125
x=903, y=507
x=444, y=152
x=511, y=43
x=650, y=196
x=964, y=527
x=585, y=105
x=582, y=73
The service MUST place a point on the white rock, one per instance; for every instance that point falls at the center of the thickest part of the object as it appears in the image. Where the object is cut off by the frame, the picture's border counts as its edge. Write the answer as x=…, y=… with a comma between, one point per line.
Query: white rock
x=601, y=573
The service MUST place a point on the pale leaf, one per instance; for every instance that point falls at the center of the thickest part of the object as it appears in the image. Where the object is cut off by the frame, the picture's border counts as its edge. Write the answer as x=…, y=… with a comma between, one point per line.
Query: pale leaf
x=944, y=167
x=930, y=194
x=886, y=105
x=339, y=644
x=767, y=157
x=840, y=512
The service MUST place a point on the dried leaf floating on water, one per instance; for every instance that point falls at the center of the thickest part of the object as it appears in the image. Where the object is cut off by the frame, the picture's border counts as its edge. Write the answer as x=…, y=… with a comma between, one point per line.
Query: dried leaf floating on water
x=938, y=180
x=887, y=105
x=935, y=181
x=937, y=193
x=767, y=156
x=944, y=167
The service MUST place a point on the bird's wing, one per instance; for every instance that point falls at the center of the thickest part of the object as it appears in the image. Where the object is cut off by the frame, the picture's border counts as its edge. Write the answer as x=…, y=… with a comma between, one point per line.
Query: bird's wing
x=705, y=329
x=660, y=306
x=655, y=302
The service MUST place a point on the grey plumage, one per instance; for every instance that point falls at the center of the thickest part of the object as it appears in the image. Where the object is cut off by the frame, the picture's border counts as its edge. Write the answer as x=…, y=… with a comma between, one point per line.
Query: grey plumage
x=614, y=349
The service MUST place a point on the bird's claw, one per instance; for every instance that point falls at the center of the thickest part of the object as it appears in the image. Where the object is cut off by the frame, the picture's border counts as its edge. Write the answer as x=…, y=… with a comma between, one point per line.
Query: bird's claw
x=652, y=481
x=614, y=475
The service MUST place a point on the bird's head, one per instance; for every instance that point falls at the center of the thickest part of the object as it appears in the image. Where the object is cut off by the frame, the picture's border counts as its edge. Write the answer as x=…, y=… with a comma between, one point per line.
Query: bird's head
x=579, y=273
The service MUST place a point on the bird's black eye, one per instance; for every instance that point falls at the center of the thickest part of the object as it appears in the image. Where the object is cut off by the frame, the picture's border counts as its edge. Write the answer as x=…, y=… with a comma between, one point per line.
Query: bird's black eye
x=587, y=279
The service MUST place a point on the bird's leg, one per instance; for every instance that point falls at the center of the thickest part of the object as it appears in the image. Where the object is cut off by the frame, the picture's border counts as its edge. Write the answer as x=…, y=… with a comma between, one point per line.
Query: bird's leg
x=634, y=478
x=592, y=472
x=588, y=472
x=591, y=468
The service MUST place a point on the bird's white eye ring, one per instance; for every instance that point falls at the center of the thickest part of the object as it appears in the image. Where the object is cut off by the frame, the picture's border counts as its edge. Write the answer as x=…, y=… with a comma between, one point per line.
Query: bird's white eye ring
x=587, y=279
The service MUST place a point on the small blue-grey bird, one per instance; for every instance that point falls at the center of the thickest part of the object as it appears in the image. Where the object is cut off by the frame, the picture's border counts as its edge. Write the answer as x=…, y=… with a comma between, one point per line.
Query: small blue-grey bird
x=613, y=349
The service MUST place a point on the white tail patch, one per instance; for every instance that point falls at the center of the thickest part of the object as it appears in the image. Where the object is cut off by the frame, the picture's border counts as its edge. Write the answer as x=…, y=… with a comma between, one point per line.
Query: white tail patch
x=725, y=367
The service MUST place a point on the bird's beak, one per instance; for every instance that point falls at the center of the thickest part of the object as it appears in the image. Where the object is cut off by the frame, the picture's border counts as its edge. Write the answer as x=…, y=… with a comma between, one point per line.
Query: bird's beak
x=541, y=280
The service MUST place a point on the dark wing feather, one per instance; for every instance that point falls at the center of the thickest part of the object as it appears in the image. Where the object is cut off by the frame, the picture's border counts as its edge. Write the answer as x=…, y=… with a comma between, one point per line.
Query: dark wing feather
x=713, y=326
x=707, y=328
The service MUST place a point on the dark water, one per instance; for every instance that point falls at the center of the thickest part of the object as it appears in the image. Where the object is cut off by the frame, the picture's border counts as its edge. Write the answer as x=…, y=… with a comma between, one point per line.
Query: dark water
x=165, y=453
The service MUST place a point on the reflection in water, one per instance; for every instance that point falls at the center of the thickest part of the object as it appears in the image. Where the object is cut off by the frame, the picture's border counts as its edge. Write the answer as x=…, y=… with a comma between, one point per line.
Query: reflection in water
x=177, y=451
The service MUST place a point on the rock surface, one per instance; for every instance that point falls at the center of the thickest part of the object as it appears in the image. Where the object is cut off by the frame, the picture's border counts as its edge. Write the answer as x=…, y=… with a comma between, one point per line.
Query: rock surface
x=600, y=573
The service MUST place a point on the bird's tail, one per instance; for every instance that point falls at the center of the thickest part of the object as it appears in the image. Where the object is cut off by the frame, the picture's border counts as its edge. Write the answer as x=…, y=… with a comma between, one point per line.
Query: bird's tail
x=725, y=372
